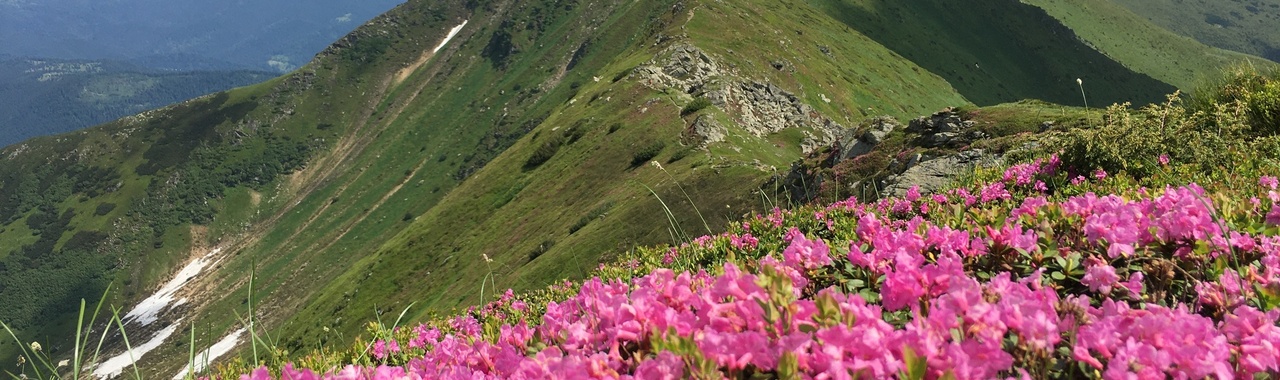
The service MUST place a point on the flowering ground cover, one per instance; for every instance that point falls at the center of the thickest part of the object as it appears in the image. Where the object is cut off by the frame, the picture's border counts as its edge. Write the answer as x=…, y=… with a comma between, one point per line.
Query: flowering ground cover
x=1027, y=275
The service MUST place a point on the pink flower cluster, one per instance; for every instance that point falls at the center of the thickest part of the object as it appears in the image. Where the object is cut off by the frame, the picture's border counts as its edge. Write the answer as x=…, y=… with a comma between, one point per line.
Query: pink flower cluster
x=766, y=317
x=1179, y=216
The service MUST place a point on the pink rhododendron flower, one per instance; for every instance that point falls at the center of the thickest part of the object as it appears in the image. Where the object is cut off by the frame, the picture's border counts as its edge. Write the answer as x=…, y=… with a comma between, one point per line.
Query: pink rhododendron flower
x=666, y=366
x=1099, y=276
x=1120, y=224
x=744, y=241
x=1030, y=207
x=380, y=350
x=913, y=194
x=669, y=256
x=1258, y=337
x=940, y=198
x=290, y=373
x=792, y=234
x=806, y=254
x=994, y=192
x=1269, y=182
x=1134, y=284
x=1022, y=174
x=1154, y=341
x=258, y=374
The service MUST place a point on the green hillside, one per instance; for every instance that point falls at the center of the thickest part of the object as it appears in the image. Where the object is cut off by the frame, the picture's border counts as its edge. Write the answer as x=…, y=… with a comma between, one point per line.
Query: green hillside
x=1244, y=26
x=520, y=153
x=1143, y=46
x=997, y=51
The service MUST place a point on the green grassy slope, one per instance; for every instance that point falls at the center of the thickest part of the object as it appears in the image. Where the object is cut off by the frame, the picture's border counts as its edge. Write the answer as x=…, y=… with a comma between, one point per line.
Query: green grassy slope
x=996, y=51
x=1244, y=26
x=130, y=201
x=546, y=222
x=1141, y=45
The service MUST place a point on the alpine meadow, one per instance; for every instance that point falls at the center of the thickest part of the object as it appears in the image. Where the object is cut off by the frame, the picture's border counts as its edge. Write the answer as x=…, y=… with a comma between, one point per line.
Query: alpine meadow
x=669, y=189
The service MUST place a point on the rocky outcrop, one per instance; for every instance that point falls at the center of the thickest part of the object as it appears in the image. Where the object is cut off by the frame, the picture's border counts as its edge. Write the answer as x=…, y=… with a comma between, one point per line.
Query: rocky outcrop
x=706, y=130
x=763, y=108
x=685, y=68
x=935, y=173
x=759, y=108
x=944, y=128
x=854, y=145
x=857, y=164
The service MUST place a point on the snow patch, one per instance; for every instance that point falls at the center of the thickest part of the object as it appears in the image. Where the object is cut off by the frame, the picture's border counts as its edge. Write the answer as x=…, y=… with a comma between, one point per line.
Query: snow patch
x=113, y=366
x=452, y=32
x=149, y=309
x=204, y=358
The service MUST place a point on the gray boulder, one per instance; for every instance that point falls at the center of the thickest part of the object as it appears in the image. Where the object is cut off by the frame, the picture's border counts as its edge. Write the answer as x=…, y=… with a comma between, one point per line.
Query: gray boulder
x=705, y=129
x=864, y=143
x=933, y=174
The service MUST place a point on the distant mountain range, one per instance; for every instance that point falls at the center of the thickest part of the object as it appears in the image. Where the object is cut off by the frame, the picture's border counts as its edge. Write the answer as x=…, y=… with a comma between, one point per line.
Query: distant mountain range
x=70, y=64
x=274, y=35
x=44, y=97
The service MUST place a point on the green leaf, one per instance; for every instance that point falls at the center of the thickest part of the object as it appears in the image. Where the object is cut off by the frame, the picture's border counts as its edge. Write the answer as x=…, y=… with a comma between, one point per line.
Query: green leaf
x=788, y=366
x=916, y=365
x=1062, y=262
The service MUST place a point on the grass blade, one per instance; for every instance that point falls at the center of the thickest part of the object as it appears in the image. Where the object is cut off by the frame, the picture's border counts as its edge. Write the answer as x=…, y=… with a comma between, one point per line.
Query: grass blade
x=21, y=347
x=92, y=320
x=75, y=363
x=115, y=316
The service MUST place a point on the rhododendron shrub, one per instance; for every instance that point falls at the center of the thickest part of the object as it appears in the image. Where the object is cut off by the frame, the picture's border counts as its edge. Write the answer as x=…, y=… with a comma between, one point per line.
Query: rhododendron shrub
x=1010, y=281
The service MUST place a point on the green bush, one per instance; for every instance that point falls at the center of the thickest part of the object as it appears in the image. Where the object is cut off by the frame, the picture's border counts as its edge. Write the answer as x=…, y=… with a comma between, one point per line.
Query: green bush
x=681, y=154
x=1257, y=93
x=541, y=249
x=1218, y=136
x=367, y=49
x=104, y=209
x=543, y=153
x=595, y=213
x=696, y=105
x=575, y=132
x=647, y=153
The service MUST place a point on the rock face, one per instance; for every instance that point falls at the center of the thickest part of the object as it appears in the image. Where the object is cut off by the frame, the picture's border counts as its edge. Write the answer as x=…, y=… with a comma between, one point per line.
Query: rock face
x=706, y=130
x=759, y=108
x=765, y=108
x=854, y=145
x=944, y=129
x=685, y=68
x=933, y=174
x=858, y=165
